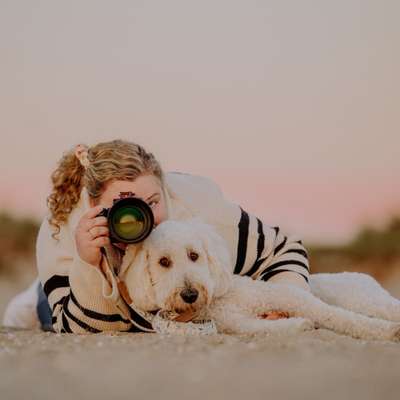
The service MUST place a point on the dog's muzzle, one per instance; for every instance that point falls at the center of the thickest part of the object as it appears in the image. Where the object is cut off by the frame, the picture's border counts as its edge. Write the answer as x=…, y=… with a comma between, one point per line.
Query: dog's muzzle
x=188, y=298
x=189, y=295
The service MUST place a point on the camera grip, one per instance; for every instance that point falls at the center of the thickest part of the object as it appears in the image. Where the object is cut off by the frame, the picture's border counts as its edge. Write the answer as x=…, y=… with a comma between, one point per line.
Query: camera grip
x=103, y=213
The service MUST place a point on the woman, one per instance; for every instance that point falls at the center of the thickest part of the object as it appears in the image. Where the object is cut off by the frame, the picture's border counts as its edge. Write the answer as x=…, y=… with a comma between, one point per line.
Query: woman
x=72, y=293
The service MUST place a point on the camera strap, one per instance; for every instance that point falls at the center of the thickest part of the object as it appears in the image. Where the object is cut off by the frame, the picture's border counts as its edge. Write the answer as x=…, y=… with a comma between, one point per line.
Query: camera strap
x=121, y=295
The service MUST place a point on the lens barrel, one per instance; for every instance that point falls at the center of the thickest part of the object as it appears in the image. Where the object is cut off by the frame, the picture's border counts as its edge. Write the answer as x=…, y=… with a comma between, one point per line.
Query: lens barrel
x=130, y=220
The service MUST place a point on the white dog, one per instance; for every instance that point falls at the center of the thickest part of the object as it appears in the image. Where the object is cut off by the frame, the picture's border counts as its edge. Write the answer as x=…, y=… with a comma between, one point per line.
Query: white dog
x=185, y=266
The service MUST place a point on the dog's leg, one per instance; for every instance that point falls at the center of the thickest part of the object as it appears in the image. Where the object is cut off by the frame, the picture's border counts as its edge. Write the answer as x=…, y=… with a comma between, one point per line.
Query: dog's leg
x=231, y=320
x=261, y=298
x=357, y=292
x=304, y=304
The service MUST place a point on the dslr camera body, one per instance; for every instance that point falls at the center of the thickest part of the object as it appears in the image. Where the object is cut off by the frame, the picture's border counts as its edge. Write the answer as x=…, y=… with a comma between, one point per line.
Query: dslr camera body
x=130, y=219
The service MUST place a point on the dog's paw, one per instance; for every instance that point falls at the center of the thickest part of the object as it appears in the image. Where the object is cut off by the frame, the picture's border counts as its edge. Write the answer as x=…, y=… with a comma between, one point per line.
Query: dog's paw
x=297, y=325
x=395, y=333
x=389, y=331
x=307, y=325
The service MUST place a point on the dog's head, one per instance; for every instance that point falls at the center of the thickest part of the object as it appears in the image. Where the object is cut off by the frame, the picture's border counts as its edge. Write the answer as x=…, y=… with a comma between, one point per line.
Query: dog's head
x=180, y=267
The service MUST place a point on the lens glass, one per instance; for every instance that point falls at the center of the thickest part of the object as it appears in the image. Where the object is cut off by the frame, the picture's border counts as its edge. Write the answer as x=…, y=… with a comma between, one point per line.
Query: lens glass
x=129, y=222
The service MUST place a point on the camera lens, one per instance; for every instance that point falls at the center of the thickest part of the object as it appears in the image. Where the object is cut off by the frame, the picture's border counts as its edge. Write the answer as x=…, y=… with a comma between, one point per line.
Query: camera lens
x=128, y=222
x=131, y=220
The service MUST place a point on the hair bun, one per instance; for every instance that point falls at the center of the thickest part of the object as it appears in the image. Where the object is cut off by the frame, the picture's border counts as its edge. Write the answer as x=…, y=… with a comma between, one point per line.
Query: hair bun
x=81, y=152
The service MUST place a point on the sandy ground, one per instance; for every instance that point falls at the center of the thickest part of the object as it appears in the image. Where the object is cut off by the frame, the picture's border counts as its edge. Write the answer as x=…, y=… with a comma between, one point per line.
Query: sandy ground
x=314, y=365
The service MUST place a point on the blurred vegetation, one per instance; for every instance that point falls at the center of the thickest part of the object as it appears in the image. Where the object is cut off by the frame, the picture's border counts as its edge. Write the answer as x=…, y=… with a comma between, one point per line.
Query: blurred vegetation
x=17, y=241
x=373, y=251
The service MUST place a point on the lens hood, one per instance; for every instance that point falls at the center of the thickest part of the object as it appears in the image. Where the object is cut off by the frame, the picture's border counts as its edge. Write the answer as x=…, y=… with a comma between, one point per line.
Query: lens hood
x=130, y=220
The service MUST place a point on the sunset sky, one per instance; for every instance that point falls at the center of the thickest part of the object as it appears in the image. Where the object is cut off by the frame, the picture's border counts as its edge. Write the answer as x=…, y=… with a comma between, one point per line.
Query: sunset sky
x=292, y=107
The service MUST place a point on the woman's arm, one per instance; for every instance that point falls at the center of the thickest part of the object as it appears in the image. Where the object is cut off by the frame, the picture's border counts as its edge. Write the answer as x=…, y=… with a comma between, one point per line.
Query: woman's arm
x=78, y=293
x=279, y=258
x=257, y=250
x=287, y=262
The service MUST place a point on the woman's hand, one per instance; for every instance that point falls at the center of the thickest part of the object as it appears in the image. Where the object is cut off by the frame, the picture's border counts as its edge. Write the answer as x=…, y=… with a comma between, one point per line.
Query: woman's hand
x=90, y=235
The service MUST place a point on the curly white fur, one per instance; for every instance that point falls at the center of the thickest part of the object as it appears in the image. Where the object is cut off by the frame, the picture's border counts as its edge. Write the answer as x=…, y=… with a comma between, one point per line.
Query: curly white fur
x=159, y=270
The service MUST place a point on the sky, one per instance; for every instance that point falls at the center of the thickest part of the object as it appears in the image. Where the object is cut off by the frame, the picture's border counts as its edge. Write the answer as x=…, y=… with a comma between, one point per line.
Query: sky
x=292, y=107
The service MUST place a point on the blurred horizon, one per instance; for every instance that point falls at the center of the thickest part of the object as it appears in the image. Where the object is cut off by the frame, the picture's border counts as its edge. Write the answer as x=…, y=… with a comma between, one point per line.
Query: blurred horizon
x=291, y=107
x=304, y=208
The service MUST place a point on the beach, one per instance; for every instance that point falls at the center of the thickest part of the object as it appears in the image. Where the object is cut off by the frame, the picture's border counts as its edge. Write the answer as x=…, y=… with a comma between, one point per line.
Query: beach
x=313, y=365
x=317, y=364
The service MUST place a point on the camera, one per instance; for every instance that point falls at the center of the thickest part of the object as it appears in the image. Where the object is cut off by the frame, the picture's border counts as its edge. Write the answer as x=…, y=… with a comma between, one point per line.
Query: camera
x=130, y=219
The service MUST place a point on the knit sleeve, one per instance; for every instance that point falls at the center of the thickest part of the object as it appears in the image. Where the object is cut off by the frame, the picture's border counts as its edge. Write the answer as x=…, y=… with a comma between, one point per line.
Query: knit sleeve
x=78, y=293
x=275, y=251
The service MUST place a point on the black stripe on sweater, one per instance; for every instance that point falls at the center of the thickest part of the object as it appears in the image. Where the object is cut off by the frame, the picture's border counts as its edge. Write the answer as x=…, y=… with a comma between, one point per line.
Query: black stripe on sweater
x=279, y=247
x=283, y=263
x=61, y=301
x=140, y=322
x=261, y=239
x=65, y=323
x=255, y=267
x=55, y=282
x=95, y=315
x=299, y=251
x=82, y=324
x=242, y=242
x=260, y=249
x=266, y=276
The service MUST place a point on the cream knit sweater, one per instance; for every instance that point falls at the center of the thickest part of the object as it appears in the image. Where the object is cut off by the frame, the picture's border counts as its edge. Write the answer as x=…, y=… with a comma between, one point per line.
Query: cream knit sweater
x=81, y=298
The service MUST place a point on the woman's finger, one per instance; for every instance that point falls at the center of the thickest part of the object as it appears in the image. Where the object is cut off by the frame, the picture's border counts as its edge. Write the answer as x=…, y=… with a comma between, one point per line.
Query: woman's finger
x=93, y=212
x=98, y=231
x=90, y=223
x=100, y=241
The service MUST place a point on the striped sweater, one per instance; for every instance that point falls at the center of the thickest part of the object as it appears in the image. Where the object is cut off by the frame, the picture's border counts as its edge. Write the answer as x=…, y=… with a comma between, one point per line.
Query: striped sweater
x=83, y=301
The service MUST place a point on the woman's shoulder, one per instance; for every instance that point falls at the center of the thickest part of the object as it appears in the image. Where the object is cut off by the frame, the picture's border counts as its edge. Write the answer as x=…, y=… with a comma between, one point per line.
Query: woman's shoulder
x=64, y=234
x=49, y=238
x=202, y=196
x=191, y=183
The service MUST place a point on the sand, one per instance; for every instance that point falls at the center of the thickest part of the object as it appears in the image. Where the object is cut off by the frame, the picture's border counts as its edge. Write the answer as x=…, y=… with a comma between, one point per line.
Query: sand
x=313, y=365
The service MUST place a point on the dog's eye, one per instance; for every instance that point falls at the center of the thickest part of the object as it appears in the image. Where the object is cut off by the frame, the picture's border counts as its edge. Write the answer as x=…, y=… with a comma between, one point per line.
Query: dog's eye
x=165, y=262
x=193, y=256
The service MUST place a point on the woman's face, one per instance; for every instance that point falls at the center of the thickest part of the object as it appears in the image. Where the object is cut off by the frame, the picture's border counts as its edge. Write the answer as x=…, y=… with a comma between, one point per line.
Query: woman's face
x=145, y=187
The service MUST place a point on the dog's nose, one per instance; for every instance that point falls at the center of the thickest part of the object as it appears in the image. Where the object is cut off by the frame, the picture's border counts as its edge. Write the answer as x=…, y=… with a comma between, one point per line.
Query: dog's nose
x=189, y=295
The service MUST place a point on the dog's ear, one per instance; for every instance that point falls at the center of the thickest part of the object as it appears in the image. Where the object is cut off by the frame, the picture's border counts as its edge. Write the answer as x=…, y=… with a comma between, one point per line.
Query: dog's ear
x=219, y=258
x=135, y=273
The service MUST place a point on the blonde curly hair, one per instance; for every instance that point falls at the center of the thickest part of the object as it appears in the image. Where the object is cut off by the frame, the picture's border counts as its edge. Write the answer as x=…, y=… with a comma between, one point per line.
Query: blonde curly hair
x=101, y=164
